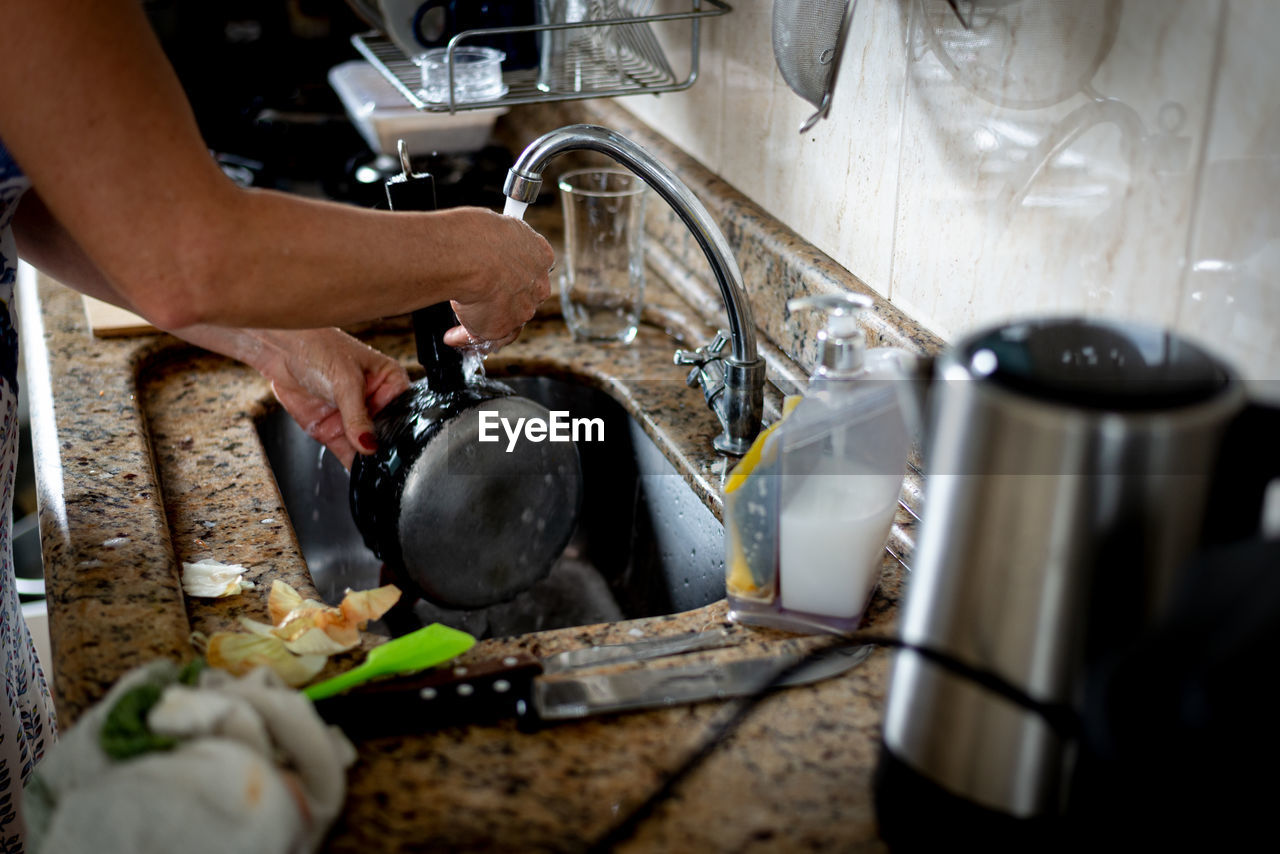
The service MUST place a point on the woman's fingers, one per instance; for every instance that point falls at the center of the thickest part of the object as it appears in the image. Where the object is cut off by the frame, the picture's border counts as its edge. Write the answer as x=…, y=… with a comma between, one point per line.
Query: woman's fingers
x=333, y=385
x=514, y=281
x=357, y=423
x=459, y=337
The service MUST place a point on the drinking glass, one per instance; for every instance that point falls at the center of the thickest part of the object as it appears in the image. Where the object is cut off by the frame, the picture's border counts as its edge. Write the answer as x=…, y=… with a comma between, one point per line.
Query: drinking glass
x=602, y=281
x=565, y=55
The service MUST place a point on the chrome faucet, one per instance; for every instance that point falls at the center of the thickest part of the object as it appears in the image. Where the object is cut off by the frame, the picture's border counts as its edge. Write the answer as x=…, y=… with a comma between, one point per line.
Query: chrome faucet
x=733, y=385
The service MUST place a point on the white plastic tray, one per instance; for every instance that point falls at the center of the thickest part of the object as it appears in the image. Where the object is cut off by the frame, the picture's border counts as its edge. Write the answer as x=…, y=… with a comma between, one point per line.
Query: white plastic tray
x=382, y=116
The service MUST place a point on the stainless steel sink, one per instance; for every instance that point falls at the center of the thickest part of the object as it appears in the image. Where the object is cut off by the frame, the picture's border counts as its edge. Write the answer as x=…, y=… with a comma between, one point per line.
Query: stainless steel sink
x=645, y=544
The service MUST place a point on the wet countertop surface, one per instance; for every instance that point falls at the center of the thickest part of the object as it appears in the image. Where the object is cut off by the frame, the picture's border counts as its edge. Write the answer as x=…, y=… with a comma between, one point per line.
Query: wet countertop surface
x=148, y=456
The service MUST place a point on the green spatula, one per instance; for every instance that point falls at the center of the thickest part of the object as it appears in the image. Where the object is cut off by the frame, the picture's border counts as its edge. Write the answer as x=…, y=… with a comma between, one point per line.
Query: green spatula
x=427, y=647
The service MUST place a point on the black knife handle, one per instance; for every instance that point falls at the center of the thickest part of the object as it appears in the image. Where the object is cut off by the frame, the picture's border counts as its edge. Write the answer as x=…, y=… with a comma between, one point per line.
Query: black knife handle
x=481, y=692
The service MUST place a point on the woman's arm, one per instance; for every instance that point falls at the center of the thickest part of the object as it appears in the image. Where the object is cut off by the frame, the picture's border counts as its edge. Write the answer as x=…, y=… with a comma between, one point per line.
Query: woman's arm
x=92, y=112
x=329, y=382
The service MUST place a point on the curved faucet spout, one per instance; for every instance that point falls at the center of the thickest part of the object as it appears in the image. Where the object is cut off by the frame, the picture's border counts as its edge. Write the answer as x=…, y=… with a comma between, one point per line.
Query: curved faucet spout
x=733, y=385
x=525, y=180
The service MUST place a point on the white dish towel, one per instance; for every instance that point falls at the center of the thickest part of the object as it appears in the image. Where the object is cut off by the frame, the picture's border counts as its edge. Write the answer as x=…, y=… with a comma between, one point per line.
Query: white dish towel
x=254, y=769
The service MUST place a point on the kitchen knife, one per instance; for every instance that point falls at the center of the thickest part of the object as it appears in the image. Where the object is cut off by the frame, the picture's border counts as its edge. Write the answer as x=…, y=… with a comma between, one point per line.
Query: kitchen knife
x=515, y=687
x=512, y=675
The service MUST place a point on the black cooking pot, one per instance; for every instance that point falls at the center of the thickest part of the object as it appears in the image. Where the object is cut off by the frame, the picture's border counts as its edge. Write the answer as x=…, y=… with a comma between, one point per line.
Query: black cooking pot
x=464, y=511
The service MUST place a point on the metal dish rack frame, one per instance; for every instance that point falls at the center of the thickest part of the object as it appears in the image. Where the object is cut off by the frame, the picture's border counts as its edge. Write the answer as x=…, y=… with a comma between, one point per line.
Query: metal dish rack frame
x=629, y=72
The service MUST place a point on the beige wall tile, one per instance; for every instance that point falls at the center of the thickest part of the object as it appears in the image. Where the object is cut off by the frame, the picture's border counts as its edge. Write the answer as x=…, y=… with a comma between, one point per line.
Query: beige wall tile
x=692, y=118
x=1032, y=182
x=835, y=184
x=848, y=164
x=1232, y=297
x=1049, y=161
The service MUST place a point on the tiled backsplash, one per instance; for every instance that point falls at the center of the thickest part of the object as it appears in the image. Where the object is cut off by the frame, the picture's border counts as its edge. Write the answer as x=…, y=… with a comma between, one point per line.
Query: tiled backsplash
x=1118, y=158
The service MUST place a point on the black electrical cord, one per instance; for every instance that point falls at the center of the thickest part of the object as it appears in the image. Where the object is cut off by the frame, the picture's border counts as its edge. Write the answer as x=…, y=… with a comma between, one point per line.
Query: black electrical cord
x=1061, y=717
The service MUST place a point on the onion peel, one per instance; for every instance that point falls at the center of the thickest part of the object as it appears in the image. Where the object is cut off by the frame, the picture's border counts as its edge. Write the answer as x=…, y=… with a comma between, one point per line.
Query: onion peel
x=301, y=635
x=213, y=579
x=361, y=606
x=238, y=653
x=281, y=600
x=293, y=616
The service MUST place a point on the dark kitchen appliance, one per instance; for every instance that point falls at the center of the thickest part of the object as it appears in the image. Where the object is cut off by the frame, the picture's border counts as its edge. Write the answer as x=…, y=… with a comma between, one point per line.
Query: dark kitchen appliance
x=1074, y=469
x=255, y=74
x=461, y=520
x=419, y=25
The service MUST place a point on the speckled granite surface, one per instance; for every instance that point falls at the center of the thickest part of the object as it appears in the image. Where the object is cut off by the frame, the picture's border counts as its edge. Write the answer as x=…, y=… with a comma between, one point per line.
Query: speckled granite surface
x=147, y=456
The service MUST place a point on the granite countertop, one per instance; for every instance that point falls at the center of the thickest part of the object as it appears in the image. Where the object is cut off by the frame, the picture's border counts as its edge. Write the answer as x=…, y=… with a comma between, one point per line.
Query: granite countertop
x=147, y=456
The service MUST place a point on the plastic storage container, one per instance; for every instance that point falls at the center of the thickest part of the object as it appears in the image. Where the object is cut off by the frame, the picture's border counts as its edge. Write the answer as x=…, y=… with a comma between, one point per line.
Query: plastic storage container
x=477, y=74
x=382, y=115
x=809, y=509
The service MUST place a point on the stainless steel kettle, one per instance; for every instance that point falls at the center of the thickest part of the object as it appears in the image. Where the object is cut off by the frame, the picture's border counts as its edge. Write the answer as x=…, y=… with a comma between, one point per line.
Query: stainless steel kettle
x=1070, y=470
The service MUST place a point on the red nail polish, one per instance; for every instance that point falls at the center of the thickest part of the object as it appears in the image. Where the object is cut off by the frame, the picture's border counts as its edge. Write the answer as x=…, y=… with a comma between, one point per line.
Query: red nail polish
x=368, y=441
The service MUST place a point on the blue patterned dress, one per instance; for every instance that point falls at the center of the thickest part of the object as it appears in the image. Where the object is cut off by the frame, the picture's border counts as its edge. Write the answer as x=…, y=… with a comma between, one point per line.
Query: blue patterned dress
x=26, y=712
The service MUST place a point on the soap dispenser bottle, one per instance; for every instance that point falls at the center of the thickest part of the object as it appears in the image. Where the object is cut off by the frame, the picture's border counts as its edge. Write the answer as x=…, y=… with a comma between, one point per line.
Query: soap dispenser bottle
x=810, y=508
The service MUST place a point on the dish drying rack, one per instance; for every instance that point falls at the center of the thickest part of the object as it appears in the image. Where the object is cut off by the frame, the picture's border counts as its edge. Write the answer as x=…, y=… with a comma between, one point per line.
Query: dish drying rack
x=617, y=55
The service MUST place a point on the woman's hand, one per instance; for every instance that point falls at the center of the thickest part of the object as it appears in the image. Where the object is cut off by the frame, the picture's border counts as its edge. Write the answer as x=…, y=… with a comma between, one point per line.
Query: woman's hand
x=512, y=279
x=328, y=381
x=331, y=384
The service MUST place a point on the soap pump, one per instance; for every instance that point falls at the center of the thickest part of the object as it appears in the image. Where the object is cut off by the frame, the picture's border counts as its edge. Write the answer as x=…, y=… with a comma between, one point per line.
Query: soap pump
x=810, y=508
x=842, y=345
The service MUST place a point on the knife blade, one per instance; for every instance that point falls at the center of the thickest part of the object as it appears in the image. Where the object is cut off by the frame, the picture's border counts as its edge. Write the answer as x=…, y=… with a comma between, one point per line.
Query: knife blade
x=640, y=650
x=514, y=687
x=595, y=694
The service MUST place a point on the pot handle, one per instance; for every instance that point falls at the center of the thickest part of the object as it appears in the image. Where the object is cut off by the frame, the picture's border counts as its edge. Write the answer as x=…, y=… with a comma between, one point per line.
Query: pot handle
x=416, y=191
x=1242, y=485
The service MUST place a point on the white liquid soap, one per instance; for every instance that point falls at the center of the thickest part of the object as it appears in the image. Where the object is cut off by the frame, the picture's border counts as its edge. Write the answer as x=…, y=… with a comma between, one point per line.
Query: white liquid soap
x=831, y=542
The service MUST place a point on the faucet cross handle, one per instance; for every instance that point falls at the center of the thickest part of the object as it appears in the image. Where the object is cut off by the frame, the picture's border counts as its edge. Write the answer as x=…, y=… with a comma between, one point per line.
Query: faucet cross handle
x=705, y=353
x=701, y=356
